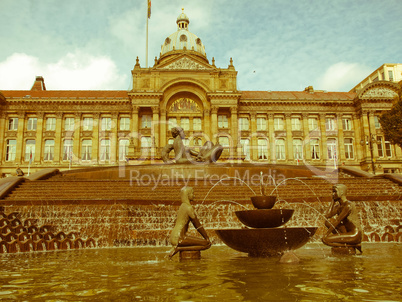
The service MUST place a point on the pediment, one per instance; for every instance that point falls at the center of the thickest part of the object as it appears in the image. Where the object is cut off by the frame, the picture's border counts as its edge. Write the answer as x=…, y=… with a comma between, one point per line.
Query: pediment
x=185, y=63
x=379, y=91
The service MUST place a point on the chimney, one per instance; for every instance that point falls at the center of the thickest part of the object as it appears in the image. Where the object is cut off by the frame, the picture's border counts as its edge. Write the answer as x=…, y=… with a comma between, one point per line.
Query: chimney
x=39, y=84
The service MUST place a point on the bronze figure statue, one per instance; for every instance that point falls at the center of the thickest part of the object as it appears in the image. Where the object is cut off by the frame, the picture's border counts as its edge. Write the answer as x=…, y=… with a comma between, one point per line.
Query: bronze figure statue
x=186, y=214
x=342, y=222
x=184, y=155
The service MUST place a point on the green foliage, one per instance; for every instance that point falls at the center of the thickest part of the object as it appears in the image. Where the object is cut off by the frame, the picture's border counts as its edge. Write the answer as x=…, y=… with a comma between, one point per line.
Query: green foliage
x=391, y=123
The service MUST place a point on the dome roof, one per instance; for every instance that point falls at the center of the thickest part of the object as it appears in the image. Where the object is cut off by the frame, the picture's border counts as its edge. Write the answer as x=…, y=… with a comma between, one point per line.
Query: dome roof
x=182, y=39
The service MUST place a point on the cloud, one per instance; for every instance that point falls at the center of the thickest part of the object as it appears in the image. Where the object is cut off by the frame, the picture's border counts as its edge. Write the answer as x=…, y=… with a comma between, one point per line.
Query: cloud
x=343, y=76
x=74, y=71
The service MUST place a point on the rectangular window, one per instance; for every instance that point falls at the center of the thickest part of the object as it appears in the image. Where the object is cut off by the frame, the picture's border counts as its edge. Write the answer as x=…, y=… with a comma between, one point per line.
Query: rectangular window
x=347, y=124
x=377, y=122
x=280, y=149
x=245, y=144
x=185, y=123
x=172, y=122
x=105, y=150
x=106, y=124
x=68, y=149
x=31, y=125
x=379, y=146
x=349, y=152
x=296, y=124
x=261, y=124
x=146, y=121
x=146, y=142
x=223, y=121
x=278, y=123
x=13, y=124
x=69, y=124
x=11, y=149
x=223, y=141
x=48, y=154
x=262, y=148
x=124, y=123
x=312, y=124
x=196, y=123
x=297, y=149
x=87, y=124
x=86, y=149
x=50, y=124
x=331, y=148
x=30, y=150
x=315, y=149
x=123, y=149
x=388, y=150
x=390, y=75
x=243, y=124
x=330, y=124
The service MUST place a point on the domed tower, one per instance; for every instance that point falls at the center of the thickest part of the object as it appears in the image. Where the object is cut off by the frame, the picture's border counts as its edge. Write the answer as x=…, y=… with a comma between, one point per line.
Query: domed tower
x=182, y=40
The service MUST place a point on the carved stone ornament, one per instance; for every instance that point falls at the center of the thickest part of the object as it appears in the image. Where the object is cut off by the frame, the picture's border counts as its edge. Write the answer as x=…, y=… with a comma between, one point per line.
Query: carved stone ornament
x=49, y=134
x=185, y=63
x=379, y=92
x=11, y=134
x=86, y=134
x=30, y=134
x=184, y=105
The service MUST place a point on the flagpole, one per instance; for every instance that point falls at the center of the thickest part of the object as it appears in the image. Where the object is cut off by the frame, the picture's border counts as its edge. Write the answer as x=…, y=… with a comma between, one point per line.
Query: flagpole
x=146, y=47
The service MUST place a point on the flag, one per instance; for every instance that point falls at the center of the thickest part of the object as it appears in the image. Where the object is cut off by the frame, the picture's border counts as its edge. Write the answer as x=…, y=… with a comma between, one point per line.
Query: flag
x=149, y=9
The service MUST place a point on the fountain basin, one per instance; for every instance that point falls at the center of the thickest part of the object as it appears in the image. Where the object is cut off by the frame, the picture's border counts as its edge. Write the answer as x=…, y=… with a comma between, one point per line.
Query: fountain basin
x=266, y=242
x=270, y=218
x=263, y=202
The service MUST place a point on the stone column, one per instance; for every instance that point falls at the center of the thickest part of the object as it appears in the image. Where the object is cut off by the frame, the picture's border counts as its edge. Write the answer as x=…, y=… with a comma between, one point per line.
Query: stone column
x=20, y=138
x=134, y=125
x=373, y=134
x=254, y=139
x=77, y=133
x=289, y=136
x=207, y=124
x=214, y=122
x=58, y=138
x=236, y=150
x=271, y=135
x=306, y=142
x=95, y=140
x=113, y=139
x=341, y=140
x=3, y=142
x=358, y=148
x=365, y=131
x=39, y=137
x=162, y=141
x=323, y=132
x=155, y=131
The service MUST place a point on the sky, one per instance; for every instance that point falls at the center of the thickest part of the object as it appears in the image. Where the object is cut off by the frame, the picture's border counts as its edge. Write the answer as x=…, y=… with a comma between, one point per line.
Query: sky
x=278, y=45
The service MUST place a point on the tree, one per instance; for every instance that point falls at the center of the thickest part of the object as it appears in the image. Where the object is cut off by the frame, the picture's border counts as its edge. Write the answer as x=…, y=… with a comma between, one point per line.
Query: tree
x=391, y=123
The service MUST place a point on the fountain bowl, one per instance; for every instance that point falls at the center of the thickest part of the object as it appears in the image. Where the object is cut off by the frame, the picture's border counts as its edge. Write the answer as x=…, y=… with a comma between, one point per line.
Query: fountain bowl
x=266, y=242
x=265, y=218
x=263, y=201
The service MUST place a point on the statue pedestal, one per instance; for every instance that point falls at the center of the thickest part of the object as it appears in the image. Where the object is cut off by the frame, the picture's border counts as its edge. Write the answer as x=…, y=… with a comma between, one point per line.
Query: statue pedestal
x=344, y=250
x=190, y=255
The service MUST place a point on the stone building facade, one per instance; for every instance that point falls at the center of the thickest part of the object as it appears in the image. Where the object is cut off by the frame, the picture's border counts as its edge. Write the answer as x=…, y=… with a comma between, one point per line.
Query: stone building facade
x=73, y=129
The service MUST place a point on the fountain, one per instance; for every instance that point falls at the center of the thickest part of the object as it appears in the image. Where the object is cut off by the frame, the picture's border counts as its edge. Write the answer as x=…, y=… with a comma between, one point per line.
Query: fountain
x=264, y=236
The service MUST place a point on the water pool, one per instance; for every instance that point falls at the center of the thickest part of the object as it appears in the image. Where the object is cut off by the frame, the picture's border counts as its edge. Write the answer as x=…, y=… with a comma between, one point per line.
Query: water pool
x=144, y=274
